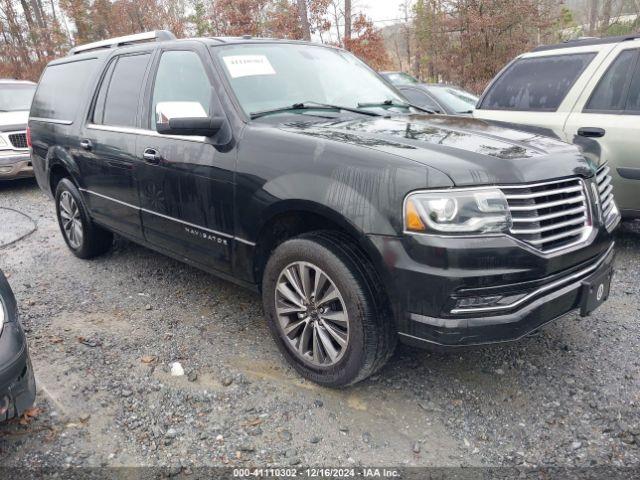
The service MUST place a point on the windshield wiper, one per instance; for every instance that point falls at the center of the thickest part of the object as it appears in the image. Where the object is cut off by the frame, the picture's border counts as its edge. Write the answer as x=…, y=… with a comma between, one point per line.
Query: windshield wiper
x=391, y=103
x=311, y=106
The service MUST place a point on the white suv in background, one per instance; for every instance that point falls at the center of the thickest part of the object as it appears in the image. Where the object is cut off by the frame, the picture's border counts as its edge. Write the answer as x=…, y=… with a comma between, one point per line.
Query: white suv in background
x=582, y=88
x=15, y=102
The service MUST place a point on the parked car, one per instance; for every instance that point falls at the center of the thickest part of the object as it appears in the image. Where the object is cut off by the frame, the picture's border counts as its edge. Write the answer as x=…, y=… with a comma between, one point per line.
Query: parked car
x=293, y=169
x=400, y=78
x=586, y=88
x=440, y=98
x=17, y=382
x=15, y=101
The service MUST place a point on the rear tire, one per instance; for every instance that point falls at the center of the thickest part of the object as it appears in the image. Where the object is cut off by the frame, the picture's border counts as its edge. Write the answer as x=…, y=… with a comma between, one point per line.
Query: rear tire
x=84, y=238
x=335, y=342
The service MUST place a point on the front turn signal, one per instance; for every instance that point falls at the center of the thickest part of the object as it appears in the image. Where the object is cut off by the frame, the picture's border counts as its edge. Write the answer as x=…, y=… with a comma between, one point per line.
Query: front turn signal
x=412, y=218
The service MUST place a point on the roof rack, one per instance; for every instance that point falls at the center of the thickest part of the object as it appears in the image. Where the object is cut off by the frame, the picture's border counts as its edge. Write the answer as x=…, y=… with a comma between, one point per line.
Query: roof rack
x=156, y=35
x=587, y=41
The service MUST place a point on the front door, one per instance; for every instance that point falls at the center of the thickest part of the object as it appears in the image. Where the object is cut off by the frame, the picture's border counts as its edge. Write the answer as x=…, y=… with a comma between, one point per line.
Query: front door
x=185, y=183
x=108, y=162
x=609, y=113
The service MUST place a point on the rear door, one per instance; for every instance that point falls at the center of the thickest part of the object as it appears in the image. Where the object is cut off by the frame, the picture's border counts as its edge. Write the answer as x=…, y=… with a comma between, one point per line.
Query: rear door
x=108, y=162
x=608, y=112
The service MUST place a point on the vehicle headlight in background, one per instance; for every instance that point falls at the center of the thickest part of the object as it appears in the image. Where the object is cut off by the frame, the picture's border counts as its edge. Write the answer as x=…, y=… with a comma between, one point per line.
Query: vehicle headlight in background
x=457, y=212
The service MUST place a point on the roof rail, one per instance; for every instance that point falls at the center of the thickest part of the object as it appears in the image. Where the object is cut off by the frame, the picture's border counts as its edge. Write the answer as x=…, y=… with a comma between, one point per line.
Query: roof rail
x=156, y=35
x=587, y=41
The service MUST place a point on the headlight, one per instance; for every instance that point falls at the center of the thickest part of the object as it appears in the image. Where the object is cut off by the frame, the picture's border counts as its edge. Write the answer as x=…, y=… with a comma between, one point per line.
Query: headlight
x=3, y=142
x=457, y=211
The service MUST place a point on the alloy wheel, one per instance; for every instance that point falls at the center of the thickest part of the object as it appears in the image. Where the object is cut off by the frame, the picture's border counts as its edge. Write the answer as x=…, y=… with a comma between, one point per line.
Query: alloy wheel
x=71, y=220
x=312, y=314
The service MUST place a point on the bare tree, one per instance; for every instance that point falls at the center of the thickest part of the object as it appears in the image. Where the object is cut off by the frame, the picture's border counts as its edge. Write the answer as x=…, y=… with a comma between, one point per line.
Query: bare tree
x=347, y=21
x=304, y=20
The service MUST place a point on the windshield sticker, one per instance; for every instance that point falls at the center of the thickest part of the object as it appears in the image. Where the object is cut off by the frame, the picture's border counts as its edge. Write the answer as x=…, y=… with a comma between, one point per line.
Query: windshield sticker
x=248, y=65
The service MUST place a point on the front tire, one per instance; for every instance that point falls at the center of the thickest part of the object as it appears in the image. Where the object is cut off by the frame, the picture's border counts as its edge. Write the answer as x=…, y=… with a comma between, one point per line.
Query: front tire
x=323, y=306
x=84, y=238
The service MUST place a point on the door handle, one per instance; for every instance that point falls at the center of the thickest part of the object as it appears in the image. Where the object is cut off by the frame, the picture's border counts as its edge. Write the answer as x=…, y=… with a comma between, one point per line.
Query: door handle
x=86, y=144
x=591, y=132
x=151, y=156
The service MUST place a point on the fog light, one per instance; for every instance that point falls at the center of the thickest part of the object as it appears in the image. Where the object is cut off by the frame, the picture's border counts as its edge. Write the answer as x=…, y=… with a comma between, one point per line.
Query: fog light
x=6, y=169
x=470, y=302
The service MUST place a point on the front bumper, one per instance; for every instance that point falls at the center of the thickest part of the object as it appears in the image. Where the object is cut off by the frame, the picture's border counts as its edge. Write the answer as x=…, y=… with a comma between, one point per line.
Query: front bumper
x=17, y=382
x=14, y=164
x=429, y=276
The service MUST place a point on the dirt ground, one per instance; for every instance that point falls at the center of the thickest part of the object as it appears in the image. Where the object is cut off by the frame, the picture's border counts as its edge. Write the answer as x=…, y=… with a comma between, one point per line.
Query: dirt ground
x=103, y=334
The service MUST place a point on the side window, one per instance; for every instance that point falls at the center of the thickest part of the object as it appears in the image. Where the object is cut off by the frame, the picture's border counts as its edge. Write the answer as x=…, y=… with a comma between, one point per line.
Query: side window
x=419, y=98
x=611, y=92
x=536, y=83
x=98, y=110
x=181, y=77
x=633, y=101
x=117, y=101
x=61, y=89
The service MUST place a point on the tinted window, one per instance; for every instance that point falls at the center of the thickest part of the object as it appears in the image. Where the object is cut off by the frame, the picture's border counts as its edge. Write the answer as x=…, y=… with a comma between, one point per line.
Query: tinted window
x=98, y=112
x=611, y=92
x=633, y=102
x=61, y=90
x=538, y=83
x=123, y=92
x=419, y=99
x=181, y=77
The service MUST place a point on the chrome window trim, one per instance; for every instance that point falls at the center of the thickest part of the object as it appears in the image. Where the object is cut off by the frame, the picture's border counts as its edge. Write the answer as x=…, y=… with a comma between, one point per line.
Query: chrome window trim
x=143, y=131
x=544, y=288
x=51, y=120
x=167, y=217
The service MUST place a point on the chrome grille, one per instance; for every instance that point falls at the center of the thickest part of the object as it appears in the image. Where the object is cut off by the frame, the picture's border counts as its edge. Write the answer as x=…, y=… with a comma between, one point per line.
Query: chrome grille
x=549, y=216
x=605, y=190
x=18, y=140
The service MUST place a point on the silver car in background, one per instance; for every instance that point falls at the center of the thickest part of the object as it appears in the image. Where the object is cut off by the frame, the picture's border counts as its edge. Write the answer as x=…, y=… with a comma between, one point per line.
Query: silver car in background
x=15, y=102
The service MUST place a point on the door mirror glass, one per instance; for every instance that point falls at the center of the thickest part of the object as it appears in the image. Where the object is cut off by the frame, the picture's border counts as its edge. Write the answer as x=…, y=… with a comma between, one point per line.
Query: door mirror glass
x=185, y=118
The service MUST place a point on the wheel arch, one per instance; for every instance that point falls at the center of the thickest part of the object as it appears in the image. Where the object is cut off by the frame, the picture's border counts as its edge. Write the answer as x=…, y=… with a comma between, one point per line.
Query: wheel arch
x=289, y=219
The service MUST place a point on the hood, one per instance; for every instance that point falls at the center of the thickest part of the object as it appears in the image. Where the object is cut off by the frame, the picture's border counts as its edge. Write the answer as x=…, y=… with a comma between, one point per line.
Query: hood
x=10, y=121
x=469, y=151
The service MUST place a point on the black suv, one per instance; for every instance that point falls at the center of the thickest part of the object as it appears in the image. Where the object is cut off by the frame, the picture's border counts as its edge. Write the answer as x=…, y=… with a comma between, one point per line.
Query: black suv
x=294, y=169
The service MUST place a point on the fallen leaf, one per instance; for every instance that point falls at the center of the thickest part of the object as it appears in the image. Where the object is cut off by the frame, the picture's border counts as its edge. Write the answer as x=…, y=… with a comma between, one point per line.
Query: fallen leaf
x=147, y=359
x=29, y=414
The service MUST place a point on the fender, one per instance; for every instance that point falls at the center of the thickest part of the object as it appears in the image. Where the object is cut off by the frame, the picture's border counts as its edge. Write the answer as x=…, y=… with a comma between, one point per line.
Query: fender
x=58, y=156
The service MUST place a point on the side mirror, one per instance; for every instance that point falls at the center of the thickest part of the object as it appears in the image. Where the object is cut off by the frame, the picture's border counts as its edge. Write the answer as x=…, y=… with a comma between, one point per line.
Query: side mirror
x=186, y=118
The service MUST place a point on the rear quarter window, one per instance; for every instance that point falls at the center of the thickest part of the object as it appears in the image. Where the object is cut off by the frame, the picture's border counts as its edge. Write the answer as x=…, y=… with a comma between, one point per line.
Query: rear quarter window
x=61, y=90
x=537, y=83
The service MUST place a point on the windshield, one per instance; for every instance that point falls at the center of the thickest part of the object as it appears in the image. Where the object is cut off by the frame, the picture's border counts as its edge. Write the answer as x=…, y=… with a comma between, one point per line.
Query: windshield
x=457, y=100
x=272, y=76
x=14, y=98
x=400, y=78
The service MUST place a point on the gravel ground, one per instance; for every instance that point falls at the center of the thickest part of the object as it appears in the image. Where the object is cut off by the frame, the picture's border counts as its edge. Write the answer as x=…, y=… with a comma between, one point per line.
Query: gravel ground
x=104, y=334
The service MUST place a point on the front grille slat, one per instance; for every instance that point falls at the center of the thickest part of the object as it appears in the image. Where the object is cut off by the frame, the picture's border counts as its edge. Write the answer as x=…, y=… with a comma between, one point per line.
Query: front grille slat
x=605, y=191
x=549, y=216
x=18, y=140
x=540, y=206
x=548, y=228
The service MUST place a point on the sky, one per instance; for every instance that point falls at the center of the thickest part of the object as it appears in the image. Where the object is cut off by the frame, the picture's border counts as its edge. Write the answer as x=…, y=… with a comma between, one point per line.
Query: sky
x=380, y=10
